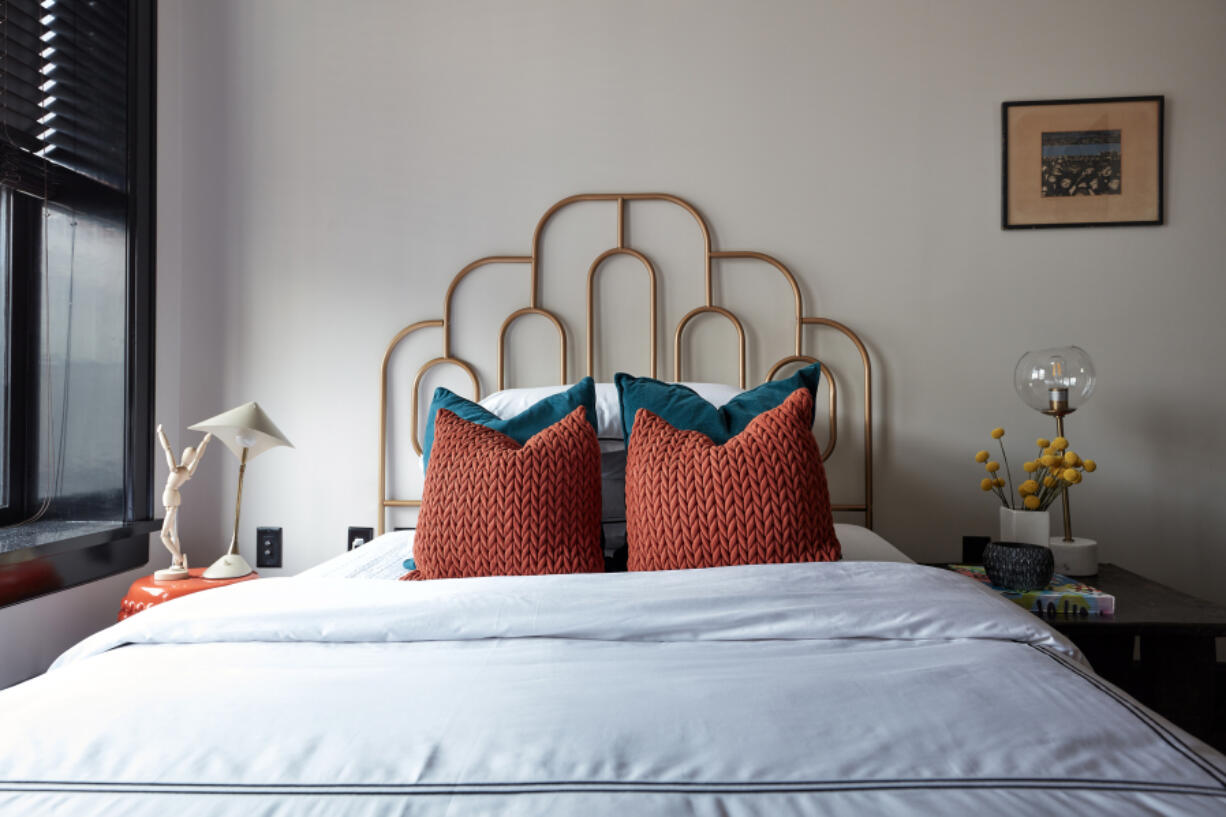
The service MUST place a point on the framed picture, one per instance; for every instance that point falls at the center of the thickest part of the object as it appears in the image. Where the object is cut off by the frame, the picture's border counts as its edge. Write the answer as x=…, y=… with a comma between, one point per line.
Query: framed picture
x=1081, y=162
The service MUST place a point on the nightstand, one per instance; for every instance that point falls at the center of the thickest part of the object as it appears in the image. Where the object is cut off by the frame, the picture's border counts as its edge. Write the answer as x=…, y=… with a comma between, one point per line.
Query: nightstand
x=145, y=592
x=1159, y=647
x=1176, y=673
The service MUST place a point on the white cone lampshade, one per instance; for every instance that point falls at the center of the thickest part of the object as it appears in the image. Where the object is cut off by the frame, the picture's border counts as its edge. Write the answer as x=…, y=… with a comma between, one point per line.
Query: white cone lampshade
x=246, y=426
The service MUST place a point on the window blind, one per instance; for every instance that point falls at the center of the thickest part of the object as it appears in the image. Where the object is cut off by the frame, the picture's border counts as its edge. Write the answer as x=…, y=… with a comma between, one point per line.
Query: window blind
x=63, y=93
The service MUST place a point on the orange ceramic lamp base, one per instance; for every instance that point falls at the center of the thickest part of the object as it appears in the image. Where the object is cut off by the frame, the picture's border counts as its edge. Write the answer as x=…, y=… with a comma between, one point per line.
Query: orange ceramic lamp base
x=146, y=591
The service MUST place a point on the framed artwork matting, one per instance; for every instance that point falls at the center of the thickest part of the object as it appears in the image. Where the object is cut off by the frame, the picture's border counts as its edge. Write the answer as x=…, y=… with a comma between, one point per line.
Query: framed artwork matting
x=1082, y=162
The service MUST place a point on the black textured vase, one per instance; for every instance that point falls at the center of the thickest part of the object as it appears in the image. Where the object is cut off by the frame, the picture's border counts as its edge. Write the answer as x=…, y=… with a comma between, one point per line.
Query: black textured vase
x=1018, y=566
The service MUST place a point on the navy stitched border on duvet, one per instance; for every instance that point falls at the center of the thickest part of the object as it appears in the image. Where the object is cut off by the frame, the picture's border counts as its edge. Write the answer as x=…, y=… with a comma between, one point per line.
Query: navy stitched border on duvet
x=1169, y=737
x=614, y=787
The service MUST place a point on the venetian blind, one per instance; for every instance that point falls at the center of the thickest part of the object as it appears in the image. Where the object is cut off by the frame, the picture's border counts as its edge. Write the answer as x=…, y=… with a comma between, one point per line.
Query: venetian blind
x=63, y=92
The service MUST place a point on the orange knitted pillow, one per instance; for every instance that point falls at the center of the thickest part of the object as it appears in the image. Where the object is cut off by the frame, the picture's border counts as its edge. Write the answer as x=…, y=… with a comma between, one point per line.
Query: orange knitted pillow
x=760, y=497
x=492, y=507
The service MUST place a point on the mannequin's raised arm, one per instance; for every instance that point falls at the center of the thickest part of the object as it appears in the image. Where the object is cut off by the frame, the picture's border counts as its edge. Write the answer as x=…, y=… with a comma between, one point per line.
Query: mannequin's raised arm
x=191, y=469
x=170, y=457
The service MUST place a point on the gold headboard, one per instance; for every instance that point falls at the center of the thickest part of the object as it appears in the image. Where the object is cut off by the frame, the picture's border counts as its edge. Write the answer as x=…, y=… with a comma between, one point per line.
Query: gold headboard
x=622, y=202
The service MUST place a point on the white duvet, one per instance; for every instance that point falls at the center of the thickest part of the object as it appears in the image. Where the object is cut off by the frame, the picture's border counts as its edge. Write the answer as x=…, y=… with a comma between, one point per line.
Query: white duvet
x=790, y=689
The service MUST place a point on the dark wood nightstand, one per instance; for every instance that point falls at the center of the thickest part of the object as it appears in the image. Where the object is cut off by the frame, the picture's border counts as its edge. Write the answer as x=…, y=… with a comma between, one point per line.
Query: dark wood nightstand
x=1159, y=647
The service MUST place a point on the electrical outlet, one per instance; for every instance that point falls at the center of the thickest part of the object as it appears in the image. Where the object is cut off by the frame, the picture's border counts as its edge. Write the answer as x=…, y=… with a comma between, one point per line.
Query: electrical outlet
x=267, y=547
x=359, y=537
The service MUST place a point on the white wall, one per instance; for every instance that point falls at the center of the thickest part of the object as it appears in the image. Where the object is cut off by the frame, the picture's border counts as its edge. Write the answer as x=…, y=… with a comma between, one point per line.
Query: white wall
x=339, y=164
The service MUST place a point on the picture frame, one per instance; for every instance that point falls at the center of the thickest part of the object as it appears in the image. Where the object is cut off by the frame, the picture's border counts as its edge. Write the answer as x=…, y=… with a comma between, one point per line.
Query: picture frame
x=1082, y=162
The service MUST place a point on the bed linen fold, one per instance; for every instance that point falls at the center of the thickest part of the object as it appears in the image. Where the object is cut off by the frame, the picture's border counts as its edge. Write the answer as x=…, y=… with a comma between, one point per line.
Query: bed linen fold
x=819, y=600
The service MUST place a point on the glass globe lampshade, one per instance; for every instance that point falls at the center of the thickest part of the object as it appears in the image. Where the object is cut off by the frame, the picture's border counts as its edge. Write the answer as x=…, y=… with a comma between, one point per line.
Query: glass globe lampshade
x=1056, y=381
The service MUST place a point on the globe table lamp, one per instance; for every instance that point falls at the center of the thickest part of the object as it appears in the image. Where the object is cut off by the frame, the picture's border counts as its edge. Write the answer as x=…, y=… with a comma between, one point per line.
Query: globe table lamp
x=248, y=432
x=1056, y=382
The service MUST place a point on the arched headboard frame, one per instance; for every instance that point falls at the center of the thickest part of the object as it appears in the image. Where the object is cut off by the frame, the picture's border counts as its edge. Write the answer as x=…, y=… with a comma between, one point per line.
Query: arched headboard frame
x=534, y=308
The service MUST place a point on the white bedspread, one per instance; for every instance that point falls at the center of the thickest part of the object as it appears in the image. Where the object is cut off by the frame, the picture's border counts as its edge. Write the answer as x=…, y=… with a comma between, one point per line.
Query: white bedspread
x=790, y=689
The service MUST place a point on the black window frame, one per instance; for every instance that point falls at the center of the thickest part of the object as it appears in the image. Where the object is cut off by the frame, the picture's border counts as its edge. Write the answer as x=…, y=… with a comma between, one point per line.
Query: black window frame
x=78, y=559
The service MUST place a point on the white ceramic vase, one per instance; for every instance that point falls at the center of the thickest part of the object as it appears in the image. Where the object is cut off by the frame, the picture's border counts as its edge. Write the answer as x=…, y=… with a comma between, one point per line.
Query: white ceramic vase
x=1032, y=527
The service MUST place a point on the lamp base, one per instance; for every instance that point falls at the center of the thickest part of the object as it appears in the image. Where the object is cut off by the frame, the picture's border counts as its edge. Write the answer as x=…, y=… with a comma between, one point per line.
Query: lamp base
x=170, y=574
x=230, y=566
x=1076, y=558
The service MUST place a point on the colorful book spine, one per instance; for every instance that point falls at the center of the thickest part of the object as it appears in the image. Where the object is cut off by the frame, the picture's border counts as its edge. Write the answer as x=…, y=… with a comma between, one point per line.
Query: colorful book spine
x=1064, y=596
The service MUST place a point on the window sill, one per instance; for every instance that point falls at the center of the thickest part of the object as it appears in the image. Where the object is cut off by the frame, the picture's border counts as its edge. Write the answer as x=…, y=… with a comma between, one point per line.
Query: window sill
x=48, y=556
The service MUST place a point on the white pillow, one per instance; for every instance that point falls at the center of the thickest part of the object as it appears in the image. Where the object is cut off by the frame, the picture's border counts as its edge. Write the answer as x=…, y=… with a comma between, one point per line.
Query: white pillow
x=509, y=402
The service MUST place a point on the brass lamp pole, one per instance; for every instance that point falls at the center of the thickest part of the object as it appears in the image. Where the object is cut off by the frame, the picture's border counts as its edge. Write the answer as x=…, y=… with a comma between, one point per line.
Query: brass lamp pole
x=248, y=432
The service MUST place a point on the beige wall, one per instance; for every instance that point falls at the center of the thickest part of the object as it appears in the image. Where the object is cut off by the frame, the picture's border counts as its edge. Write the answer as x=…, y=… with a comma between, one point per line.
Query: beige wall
x=325, y=168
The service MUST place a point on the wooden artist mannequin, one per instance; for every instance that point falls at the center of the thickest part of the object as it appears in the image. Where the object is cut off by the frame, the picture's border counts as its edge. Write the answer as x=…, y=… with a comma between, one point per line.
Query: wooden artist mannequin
x=180, y=473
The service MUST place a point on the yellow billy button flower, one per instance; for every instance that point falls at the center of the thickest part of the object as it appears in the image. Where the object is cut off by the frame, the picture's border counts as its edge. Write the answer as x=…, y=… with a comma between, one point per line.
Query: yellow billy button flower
x=1050, y=460
x=982, y=456
x=1089, y=465
x=1059, y=443
x=1049, y=481
x=1071, y=476
x=1031, y=502
x=1042, y=442
x=1030, y=467
x=1071, y=459
x=993, y=466
x=1047, y=452
x=1028, y=487
x=997, y=433
x=1000, y=483
x=985, y=484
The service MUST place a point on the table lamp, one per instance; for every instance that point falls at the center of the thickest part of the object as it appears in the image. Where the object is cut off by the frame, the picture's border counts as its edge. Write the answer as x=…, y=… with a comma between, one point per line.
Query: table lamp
x=248, y=432
x=1057, y=382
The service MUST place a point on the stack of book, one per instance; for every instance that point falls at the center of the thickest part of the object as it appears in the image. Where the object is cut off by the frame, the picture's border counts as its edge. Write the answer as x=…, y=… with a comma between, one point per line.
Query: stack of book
x=1063, y=596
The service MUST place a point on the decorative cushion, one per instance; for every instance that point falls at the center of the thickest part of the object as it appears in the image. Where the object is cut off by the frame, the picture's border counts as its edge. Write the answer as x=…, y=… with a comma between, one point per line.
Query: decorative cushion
x=494, y=507
x=760, y=497
x=519, y=426
x=684, y=407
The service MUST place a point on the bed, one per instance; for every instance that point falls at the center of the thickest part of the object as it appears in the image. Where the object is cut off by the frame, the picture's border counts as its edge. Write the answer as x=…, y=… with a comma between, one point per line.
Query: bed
x=867, y=685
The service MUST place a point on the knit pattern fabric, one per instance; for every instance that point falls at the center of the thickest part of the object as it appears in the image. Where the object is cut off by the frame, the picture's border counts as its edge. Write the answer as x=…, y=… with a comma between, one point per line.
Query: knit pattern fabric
x=491, y=507
x=759, y=498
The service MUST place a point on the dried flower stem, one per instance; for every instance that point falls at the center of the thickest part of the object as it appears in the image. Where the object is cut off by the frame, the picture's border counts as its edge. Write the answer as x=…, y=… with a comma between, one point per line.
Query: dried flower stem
x=1008, y=472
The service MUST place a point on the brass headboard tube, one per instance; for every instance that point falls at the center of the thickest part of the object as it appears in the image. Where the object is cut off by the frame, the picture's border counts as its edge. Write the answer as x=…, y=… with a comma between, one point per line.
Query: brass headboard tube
x=868, y=411
x=714, y=310
x=621, y=199
x=832, y=403
x=460, y=276
x=797, y=301
x=502, y=338
x=387, y=356
x=591, y=304
x=438, y=361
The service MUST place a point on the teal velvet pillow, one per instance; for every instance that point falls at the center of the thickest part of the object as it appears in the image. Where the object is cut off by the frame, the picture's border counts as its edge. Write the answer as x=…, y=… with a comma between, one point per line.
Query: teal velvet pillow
x=535, y=418
x=682, y=408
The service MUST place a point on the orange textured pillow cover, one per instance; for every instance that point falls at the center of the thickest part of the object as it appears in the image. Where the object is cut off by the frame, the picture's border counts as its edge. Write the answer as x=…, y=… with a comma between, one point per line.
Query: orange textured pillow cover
x=760, y=497
x=491, y=507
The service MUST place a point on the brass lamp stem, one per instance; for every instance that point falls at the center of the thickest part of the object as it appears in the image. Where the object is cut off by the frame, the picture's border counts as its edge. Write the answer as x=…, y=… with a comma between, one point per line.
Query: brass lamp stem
x=238, y=504
x=1068, y=525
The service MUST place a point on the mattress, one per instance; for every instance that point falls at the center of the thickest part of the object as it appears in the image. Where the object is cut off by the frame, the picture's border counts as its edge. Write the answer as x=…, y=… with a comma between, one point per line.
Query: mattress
x=383, y=557
x=815, y=688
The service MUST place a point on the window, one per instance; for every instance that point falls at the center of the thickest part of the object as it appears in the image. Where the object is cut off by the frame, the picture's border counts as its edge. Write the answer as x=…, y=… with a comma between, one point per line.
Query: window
x=76, y=329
